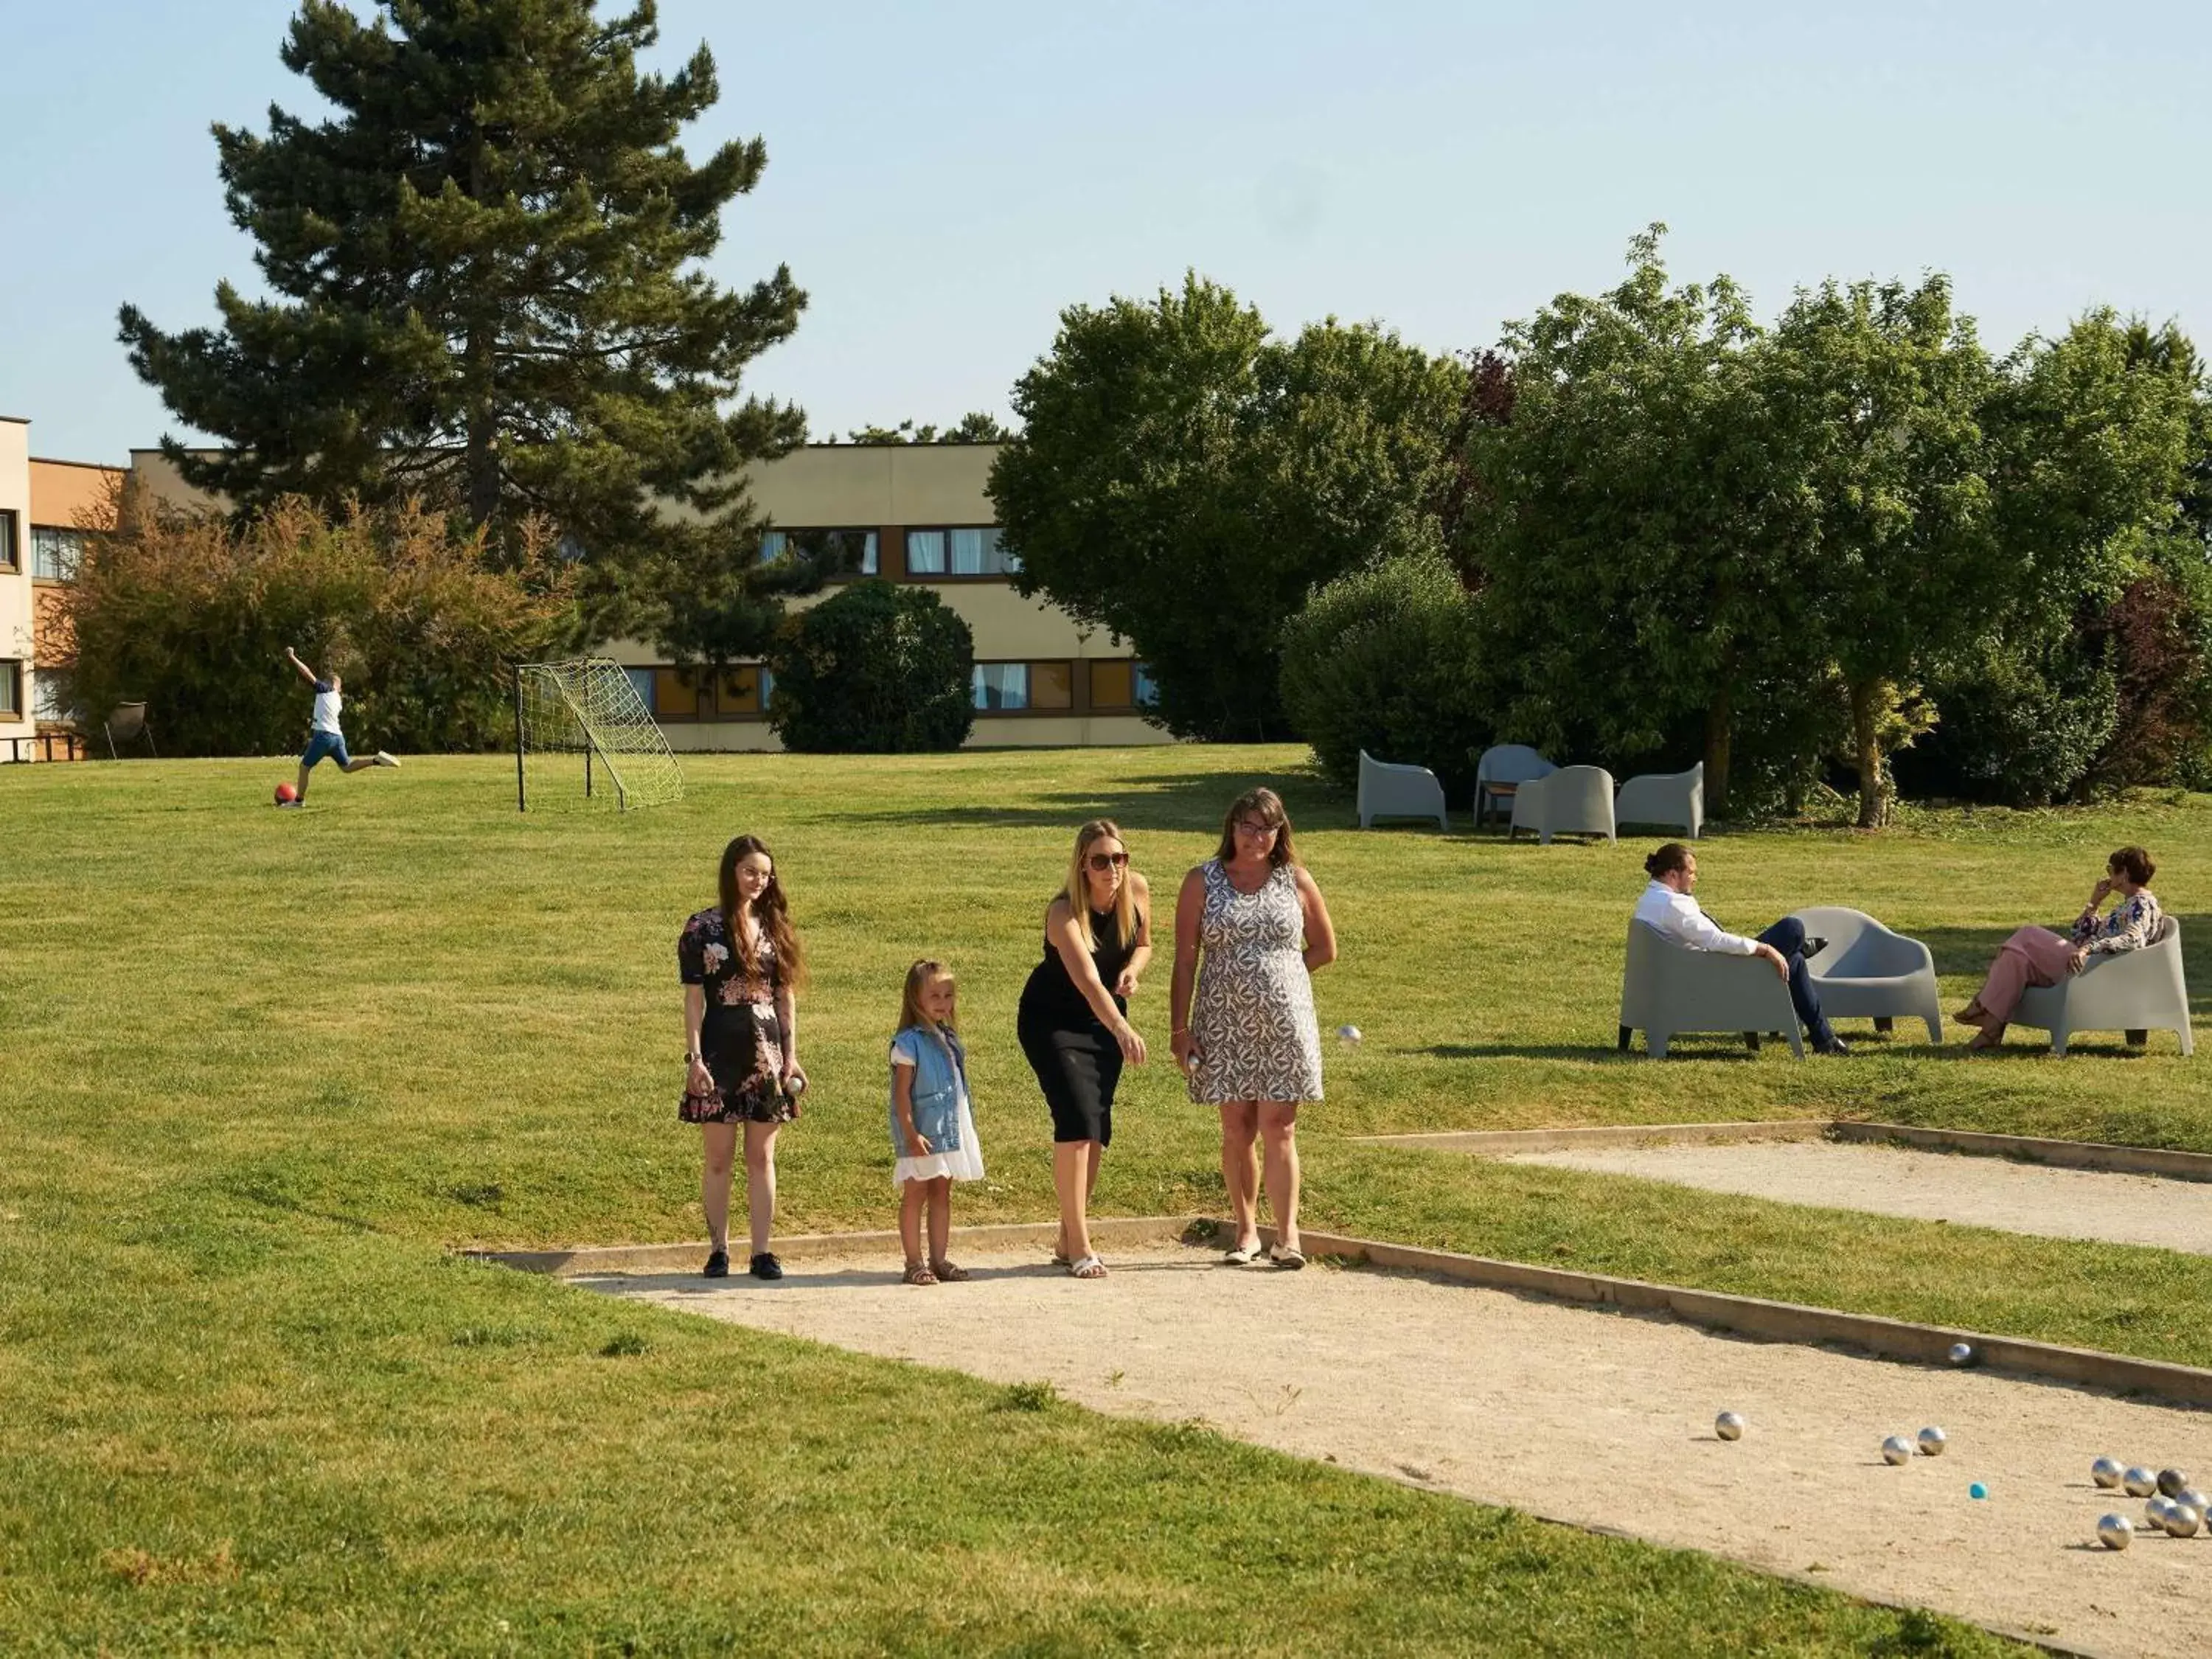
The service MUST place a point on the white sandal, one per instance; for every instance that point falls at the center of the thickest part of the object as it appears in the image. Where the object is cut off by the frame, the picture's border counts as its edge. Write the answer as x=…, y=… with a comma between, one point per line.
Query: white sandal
x=1089, y=1267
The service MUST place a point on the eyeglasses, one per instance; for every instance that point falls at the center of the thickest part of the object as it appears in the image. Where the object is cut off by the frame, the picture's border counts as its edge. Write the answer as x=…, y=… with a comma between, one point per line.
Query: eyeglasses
x=1102, y=862
x=1255, y=828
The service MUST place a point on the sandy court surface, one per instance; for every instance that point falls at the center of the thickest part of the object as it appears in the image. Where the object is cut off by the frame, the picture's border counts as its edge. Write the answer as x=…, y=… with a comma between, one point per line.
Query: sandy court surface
x=1954, y=1187
x=1597, y=1417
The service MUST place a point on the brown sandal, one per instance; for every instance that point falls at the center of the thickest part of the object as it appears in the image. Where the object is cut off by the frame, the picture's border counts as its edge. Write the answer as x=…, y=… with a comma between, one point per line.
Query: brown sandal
x=949, y=1272
x=917, y=1272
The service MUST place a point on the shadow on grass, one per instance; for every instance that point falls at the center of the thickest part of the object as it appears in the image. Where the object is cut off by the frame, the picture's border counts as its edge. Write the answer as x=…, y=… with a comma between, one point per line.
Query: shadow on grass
x=1681, y=1048
x=1181, y=801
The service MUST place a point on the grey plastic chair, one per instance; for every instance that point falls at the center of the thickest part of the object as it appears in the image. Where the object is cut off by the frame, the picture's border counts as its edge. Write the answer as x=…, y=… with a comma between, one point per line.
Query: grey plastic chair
x=1514, y=763
x=1666, y=989
x=128, y=722
x=1869, y=971
x=1387, y=790
x=1573, y=800
x=1671, y=800
x=2137, y=992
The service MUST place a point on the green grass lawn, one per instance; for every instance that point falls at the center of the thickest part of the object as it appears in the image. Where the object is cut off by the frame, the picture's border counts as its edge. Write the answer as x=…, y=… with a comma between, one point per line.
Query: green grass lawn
x=263, y=1070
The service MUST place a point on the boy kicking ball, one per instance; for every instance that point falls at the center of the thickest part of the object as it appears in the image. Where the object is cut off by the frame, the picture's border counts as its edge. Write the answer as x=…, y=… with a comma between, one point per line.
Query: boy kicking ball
x=324, y=737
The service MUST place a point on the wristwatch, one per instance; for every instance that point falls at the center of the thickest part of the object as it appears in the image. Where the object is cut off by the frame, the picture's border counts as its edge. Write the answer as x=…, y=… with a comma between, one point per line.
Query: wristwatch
x=691, y=1057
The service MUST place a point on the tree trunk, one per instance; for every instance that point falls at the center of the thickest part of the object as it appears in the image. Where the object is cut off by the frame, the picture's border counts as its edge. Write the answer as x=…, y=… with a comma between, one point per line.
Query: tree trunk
x=1866, y=698
x=482, y=462
x=1720, y=734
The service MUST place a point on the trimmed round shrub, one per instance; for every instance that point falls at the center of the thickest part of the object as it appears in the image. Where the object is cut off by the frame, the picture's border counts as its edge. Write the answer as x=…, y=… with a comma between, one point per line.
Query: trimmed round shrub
x=1385, y=660
x=876, y=669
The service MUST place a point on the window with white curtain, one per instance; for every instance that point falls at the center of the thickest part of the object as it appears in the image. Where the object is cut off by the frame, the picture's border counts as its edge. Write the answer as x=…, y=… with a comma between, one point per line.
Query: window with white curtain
x=961, y=550
x=1002, y=685
x=56, y=554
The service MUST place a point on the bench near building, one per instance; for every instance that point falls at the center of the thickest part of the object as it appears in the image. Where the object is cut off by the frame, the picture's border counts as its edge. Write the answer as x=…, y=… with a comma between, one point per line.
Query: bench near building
x=916, y=513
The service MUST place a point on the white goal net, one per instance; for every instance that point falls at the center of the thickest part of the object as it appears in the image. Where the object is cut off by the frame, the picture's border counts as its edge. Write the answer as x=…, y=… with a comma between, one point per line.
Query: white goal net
x=583, y=721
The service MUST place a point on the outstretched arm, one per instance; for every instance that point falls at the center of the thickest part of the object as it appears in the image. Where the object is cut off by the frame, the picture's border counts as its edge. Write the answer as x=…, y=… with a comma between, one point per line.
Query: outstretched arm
x=306, y=672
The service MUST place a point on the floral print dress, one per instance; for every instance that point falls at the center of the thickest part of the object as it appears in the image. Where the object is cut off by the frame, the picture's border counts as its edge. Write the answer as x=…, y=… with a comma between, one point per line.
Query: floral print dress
x=1253, y=1021
x=740, y=1038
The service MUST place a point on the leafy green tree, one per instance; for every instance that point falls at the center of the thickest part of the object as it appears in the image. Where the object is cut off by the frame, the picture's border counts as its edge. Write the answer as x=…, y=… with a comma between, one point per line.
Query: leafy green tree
x=1184, y=480
x=976, y=427
x=877, y=668
x=484, y=267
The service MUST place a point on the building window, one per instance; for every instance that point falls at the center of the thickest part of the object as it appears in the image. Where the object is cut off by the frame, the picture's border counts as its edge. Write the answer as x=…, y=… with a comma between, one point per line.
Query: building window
x=841, y=552
x=50, y=695
x=1010, y=687
x=743, y=692
x=640, y=681
x=11, y=690
x=56, y=554
x=682, y=694
x=1120, y=683
x=1148, y=694
x=973, y=550
x=10, y=557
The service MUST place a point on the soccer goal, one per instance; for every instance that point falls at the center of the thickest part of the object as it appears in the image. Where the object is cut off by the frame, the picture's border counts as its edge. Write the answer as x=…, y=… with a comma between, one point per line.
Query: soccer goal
x=588, y=707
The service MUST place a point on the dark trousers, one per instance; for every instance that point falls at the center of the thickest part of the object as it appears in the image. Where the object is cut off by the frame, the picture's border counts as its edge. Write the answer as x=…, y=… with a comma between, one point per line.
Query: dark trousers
x=1788, y=936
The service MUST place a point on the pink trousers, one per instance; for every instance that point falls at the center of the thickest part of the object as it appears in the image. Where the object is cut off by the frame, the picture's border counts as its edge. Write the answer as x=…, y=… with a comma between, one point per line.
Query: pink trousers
x=2034, y=956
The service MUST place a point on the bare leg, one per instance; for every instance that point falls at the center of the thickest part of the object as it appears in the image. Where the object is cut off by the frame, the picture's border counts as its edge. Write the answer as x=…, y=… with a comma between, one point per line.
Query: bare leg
x=359, y=765
x=940, y=1218
x=1240, y=1167
x=300, y=788
x=1279, y=1126
x=1074, y=1165
x=720, y=1143
x=912, y=1196
x=760, y=1181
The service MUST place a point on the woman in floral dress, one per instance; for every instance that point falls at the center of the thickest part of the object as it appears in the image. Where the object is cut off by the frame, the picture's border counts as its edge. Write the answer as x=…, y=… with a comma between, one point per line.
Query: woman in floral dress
x=1250, y=929
x=2036, y=955
x=740, y=965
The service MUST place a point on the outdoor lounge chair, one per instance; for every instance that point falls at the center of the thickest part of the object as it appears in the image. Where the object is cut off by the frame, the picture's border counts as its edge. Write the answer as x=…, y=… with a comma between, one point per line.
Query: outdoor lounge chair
x=1666, y=989
x=1509, y=765
x=1390, y=790
x=1574, y=800
x=128, y=722
x=1676, y=800
x=2135, y=992
x=1869, y=972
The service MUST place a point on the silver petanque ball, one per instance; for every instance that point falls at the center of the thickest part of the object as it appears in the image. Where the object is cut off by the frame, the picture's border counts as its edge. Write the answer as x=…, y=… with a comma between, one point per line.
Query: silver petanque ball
x=1728, y=1426
x=2172, y=1482
x=1896, y=1450
x=1932, y=1442
x=2138, y=1482
x=1962, y=1353
x=1349, y=1035
x=2115, y=1532
x=2196, y=1500
x=2181, y=1520
x=2105, y=1472
x=2154, y=1511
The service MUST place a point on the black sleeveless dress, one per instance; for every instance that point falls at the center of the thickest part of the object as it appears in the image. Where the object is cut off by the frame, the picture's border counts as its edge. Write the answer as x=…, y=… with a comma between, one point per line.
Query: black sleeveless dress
x=1076, y=1059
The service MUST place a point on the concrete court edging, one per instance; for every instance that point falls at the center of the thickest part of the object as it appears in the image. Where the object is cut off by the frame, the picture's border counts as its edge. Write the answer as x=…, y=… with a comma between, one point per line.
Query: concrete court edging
x=2031, y=1149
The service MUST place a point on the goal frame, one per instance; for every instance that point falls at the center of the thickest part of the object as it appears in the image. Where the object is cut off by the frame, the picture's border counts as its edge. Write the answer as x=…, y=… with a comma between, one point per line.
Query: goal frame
x=593, y=748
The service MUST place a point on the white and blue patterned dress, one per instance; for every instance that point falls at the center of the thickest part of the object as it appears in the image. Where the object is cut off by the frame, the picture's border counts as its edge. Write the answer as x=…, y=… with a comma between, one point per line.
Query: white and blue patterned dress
x=1254, y=1019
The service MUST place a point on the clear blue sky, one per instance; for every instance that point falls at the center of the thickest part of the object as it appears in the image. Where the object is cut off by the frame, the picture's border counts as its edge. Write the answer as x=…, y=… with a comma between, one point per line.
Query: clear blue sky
x=944, y=176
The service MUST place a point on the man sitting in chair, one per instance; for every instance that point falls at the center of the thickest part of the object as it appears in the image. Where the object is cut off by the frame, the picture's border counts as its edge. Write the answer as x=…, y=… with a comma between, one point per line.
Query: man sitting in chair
x=1666, y=905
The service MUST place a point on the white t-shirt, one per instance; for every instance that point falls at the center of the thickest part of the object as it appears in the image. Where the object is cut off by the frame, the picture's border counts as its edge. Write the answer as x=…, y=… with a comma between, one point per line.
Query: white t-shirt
x=327, y=704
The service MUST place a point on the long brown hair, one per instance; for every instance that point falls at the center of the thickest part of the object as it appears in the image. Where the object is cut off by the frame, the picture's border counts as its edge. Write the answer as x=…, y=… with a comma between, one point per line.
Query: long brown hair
x=1267, y=805
x=771, y=912
x=1077, y=891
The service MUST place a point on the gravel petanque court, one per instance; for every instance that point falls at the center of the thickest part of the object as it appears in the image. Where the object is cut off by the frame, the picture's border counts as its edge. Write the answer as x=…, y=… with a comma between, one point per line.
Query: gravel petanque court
x=1954, y=1187
x=1586, y=1416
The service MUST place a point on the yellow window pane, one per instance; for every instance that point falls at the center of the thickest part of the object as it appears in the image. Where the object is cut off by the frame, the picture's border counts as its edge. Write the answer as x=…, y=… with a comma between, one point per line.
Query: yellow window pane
x=1052, y=685
x=1112, y=685
x=740, y=691
x=673, y=694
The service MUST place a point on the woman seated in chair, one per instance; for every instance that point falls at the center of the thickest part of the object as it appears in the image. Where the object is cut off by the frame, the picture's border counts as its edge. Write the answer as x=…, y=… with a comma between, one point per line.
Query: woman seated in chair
x=2036, y=955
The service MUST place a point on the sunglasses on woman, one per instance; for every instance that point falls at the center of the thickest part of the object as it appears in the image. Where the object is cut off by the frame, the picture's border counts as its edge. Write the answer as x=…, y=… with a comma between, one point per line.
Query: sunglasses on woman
x=1102, y=862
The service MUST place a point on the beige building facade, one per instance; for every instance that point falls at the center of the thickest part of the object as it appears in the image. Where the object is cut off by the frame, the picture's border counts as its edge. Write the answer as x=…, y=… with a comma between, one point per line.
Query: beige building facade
x=914, y=513
x=18, y=611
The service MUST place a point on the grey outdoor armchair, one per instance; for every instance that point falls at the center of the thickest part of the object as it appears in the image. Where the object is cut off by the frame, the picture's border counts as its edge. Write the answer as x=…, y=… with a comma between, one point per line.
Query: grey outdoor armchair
x=125, y=723
x=1666, y=989
x=1869, y=971
x=1387, y=790
x=2137, y=992
x=1512, y=764
x=1676, y=800
x=1573, y=800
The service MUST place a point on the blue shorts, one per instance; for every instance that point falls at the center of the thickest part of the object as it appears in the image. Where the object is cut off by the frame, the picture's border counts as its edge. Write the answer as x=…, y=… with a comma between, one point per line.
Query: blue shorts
x=321, y=744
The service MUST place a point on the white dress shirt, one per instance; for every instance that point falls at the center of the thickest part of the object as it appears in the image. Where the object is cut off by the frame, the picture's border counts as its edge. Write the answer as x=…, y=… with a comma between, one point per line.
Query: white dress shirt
x=1677, y=915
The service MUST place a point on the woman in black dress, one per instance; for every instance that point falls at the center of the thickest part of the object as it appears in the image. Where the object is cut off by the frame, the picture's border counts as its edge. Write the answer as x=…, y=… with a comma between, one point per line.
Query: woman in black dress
x=1074, y=1020
x=740, y=966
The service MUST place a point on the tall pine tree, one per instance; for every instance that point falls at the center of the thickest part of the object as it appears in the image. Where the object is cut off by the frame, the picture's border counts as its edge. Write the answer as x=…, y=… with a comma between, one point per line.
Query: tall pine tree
x=487, y=291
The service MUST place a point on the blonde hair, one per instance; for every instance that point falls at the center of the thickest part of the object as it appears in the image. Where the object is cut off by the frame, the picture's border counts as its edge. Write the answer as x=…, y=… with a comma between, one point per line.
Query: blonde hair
x=918, y=978
x=1077, y=891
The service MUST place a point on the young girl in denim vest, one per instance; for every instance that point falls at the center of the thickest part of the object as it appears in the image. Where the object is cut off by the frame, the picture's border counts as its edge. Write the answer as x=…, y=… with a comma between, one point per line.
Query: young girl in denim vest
x=932, y=1128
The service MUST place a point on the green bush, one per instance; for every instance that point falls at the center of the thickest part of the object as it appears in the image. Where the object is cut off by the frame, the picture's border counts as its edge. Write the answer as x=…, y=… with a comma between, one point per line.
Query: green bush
x=191, y=616
x=1384, y=659
x=876, y=669
x=2014, y=730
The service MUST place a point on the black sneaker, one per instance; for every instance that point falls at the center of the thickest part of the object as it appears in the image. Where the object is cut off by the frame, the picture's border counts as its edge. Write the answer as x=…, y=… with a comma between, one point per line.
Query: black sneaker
x=1813, y=947
x=1834, y=1046
x=718, y=1264
x=765, y=1266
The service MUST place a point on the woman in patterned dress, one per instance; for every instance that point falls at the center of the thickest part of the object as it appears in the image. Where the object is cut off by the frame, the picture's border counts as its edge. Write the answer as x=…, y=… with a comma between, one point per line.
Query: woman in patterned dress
x=740, y=965
x=2036, y=955
x=1251, y=1045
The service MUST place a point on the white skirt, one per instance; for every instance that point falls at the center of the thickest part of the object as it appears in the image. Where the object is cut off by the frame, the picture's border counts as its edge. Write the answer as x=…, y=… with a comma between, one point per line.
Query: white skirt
x=966, y=1163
